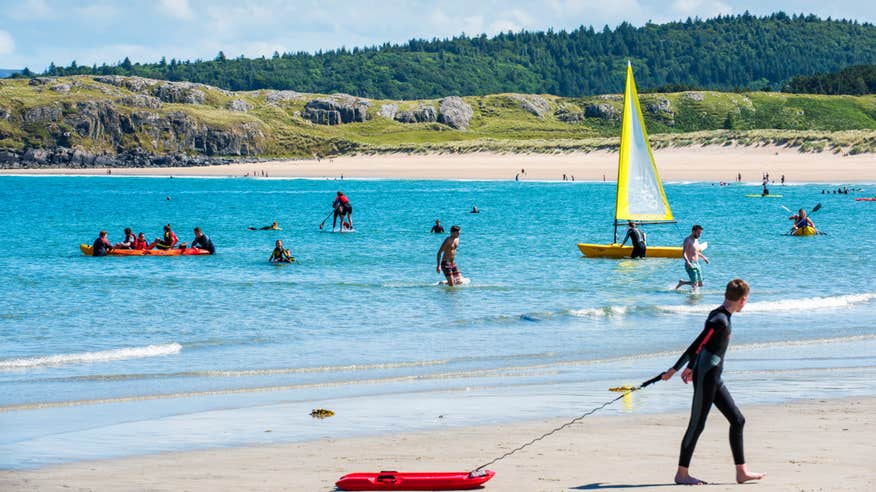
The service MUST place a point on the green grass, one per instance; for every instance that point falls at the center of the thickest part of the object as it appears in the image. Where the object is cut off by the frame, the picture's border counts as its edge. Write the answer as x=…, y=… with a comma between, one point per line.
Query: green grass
x=812, y=123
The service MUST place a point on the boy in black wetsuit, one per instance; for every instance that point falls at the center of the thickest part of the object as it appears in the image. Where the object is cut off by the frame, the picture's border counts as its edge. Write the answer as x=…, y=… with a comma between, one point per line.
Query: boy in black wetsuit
x=705, y=362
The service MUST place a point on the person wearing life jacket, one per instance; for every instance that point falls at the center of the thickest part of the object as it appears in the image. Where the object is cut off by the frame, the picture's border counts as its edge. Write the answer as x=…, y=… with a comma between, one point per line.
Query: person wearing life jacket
x=128, y=243
x=101, y=245
x=140, y=242
x=344, y=210
x=168, y=241
x=801, y=220
x=280, y=254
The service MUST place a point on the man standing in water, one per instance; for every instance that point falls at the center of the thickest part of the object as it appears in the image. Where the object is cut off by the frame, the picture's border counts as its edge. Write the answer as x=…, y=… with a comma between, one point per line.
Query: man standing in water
x=691, y=252
x=705, y=362
x=638, y=238
x=446, y=258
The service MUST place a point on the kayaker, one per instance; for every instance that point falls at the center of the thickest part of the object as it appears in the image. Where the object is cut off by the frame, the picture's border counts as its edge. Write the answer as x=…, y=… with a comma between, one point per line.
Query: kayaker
x=101, y=245
x=342, y=208
x=437, y=228
x=801, y=220
x=273, y=227
x=691, y=253
x=705, y=363
x=446, y=258
x=202, y=241
x=141, y=242
x=280, y=254
x=168, y=241
x=638, y=240
x=128, y=243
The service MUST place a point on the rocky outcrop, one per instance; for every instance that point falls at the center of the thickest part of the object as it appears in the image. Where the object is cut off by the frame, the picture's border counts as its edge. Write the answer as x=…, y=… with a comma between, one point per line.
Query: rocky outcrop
x=140, y=101
x=533, y=104
x=179, y=93
x=277, y=97
x=64, y=157
x=169, y=92
x=661, y=106
x=239, y=105
x=603, y=111
x=41, y=114
x=336, y=109
x=388, y=111
x=41, y=80
x=454, y=112
x=693, y=96
x=422, y=114
x=567, y=115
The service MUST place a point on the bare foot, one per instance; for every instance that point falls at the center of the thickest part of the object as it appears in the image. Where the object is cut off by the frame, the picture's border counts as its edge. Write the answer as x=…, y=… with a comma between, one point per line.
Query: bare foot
x=680, y=283
x=689, y=480
x=746, y=476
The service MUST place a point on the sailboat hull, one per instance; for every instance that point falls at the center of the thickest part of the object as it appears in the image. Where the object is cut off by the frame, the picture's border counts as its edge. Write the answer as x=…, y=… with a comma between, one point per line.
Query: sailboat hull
x=618, y=251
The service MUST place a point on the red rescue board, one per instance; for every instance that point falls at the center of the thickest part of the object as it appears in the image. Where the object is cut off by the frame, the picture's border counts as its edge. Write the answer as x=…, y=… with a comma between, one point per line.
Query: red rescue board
x=393, y=480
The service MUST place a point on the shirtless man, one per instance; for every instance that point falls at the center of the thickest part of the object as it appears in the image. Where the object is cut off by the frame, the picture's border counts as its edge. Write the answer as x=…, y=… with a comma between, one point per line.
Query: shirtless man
x=691, y=253
x=447, y=264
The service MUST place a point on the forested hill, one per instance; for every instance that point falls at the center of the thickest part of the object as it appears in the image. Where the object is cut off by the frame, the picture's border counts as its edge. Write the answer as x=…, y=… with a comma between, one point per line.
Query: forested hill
x=724, y=53
x=857, y=80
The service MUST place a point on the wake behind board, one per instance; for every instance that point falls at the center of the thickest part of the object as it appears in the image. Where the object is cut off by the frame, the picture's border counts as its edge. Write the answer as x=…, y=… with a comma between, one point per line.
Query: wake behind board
x=752, y=195
x=393, y=480
x=462, y=281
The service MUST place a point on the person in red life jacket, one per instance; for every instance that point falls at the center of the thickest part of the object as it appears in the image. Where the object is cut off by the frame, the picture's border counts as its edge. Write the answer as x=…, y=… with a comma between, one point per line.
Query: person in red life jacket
x=344, y=210
x=167, y=242
x=101, y=245
x=140, y=242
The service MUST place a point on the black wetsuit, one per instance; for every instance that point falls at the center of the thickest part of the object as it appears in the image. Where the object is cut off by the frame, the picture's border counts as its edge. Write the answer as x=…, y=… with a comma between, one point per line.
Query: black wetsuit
x=204, y=242
x=706, y=357
x=638, y=238
x=100, y=247
x=437, y=229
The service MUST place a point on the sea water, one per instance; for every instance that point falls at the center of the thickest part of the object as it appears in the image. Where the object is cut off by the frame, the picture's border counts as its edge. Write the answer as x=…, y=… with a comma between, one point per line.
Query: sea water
x=114, y=356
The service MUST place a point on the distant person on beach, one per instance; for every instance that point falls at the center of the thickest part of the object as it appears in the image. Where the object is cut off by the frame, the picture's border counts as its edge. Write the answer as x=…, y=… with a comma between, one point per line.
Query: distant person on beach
x=128, y=243
x=474, y=209
x=280, y=254
x=274, y=226
x=101, y=245
x=691, y=253
x=705, y=363
x=783, y=179
x=343, y=210
x=202, y=241
x=437, y=228
x=801, y=220
x=638, y=240
x=167, y=241
x=446, y=258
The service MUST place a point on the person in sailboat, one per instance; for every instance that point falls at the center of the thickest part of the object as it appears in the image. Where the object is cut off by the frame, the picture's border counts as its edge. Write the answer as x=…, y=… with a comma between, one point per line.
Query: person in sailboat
x=638, y=240
x=691, y=253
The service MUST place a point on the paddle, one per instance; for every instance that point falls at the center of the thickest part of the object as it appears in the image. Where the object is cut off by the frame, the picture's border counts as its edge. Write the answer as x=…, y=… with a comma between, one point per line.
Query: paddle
x=321, y=224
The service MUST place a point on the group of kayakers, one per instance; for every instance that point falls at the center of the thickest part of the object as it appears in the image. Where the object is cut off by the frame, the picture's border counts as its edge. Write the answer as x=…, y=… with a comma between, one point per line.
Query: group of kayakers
x=169, y=240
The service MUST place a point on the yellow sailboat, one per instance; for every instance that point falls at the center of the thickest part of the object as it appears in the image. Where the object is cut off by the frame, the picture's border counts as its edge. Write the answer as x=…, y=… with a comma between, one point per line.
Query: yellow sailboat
x=640, y=195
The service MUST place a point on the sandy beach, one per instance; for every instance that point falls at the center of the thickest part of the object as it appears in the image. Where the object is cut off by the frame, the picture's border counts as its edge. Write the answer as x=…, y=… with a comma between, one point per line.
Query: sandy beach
x=816, y=445
x=688, y=163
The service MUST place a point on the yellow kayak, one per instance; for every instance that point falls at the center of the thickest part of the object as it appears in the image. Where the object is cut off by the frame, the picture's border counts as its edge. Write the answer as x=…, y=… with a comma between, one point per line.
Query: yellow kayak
x=805, y=231
x=617, y=251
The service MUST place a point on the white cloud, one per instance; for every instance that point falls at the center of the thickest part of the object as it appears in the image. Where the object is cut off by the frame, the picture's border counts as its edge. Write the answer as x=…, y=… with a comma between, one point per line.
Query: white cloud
x=99, y=12
x=7, y=44
x=177, y=8
x=30, y=10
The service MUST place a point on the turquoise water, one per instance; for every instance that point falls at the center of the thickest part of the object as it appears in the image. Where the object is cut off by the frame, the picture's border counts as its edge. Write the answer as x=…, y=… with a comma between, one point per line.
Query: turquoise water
x=104, y=357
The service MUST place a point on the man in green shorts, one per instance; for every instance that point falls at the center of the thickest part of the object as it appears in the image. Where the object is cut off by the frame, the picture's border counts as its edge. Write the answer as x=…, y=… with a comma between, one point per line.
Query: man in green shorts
x=691, y=253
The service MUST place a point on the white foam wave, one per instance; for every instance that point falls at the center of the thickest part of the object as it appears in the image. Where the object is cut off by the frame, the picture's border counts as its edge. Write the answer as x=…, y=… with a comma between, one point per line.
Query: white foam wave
x=101, y=356
x=806, y=304
x=600, y=312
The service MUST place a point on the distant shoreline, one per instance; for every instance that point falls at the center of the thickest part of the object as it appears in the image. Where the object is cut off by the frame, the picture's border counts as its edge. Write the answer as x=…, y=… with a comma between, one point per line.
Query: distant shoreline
x=710, y=163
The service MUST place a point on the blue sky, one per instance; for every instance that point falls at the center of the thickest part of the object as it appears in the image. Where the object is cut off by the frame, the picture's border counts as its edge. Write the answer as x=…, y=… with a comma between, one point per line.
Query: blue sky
x=36, y=32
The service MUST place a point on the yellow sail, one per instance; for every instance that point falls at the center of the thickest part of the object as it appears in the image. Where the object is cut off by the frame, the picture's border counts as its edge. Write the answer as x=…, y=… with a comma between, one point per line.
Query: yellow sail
x=640, y=195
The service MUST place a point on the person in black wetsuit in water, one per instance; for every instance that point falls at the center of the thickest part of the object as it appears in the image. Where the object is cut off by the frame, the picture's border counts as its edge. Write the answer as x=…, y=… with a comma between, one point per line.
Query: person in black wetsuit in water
x=705, y=362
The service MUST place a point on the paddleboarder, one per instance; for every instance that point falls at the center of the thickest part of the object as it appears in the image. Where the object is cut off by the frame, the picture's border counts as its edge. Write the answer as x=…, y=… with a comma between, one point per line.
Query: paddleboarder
x=691, y=253
x=342, y=209
x=446, y=258
x=638, y=240
x=705, y=363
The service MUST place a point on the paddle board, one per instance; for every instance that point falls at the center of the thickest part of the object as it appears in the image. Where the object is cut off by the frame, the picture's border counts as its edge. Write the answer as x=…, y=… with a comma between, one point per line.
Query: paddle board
x=393, y=480
x=763, y=196
x=871, y=199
